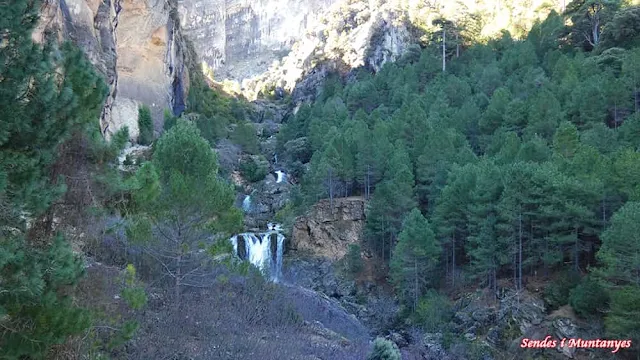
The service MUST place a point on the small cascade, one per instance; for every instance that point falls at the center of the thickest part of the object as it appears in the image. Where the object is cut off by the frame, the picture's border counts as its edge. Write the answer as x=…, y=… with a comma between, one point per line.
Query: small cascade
x=281, y=176
x=259, y=249
x=246, y=203
x=280, y=250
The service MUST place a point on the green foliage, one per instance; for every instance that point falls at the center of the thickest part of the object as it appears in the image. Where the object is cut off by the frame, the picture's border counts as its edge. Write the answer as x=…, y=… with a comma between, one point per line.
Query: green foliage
x=145, y=124
x=518, y=155
x=254, y=168
x=34, y=315
x=433, y=312
x=354, y=259
x=245, y=135
x=50, y=99
x=557, y=293
x=620, y=246
x=182, y=194
x=169, y=120
x=415, y=258
x=623, y=30
x=589, y=298
x=46, y=95
x=588, y=17
x=133, y=293
x=384, y=350
x=216, y=110
x=623, y=318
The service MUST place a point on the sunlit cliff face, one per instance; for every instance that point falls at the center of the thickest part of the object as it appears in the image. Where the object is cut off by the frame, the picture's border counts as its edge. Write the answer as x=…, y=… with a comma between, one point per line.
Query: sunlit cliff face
x=240, y=38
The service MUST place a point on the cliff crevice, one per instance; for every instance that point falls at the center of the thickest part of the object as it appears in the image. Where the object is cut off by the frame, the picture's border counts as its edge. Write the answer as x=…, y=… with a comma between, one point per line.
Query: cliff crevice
x=138, y=47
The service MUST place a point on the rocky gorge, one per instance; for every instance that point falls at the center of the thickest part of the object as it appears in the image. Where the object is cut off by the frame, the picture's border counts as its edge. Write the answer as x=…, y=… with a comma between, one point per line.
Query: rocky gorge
x=145, y=49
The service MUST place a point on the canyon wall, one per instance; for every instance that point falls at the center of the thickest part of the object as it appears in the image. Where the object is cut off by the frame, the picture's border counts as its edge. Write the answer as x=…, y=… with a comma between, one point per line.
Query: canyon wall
x=240, y=38
x=138, y=47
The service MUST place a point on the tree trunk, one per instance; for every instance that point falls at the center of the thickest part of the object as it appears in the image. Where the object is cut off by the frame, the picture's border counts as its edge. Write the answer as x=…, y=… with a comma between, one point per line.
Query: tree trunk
x=604, y=213
x=415, y=280
x=515, y=266
x=575, y=253
x=596, y=29
x=457, y=46
x=178, y=273
x=177, y=287
x=330, y=190
x=368, y=181
x=453, y=259
x=520, y=251
x=444, y=36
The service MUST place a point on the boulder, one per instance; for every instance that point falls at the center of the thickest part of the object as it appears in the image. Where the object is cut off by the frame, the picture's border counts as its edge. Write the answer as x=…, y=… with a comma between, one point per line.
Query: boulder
x=398, y=339
x=565, y=328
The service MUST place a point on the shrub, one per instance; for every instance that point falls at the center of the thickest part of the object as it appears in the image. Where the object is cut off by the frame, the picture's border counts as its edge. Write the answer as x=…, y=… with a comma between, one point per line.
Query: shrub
x=433, y=311
x=254, y=168
x=245, y=135
x=384, y=350
x=128, y=160
x=354, y=260
x=589, y=298
x=169, y=120
x=558, y=291
x=145, y=124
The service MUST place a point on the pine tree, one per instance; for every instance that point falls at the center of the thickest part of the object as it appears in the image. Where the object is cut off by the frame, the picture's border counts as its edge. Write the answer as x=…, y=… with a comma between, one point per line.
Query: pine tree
x=494, y=117
x=588, y=18
x=620, y=258
x=47, y=94
x=415, y=258
x=145, y=125
x=485, y=249
x=620, y=251
x=450, y=215
x=392, y=200
x=193, y=203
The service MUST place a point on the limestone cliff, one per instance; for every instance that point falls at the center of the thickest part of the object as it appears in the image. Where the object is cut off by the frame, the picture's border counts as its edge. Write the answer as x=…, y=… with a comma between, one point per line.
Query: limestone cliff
x=240, y=38
x=138, y=47
x=348, y=35
x=327, y=232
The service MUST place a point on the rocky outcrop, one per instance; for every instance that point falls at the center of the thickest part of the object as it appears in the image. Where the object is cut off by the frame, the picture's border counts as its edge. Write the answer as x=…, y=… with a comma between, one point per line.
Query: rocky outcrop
x=326, y=231
x=349, y=35
x=240, y=38
x=517, y=315
x=138, y=47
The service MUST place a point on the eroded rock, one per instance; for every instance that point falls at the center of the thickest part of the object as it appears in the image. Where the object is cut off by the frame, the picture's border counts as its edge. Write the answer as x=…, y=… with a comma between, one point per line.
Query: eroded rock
x=327, y=231
x=136, y=45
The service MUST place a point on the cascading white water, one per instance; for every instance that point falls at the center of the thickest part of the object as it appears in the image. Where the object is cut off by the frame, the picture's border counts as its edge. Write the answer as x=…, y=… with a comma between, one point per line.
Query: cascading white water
x=281, y=176
x=246, y=203
x=278, y=269
x=258, y=250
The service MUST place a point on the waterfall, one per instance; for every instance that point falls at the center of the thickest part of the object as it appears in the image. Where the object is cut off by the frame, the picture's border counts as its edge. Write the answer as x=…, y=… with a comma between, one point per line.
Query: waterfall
x=258, y=250
x=246, y=203
x=281, y=176
x=278, y=269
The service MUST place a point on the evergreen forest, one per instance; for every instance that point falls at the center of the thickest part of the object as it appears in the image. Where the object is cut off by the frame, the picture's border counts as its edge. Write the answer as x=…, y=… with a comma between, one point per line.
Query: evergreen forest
x=487, y=165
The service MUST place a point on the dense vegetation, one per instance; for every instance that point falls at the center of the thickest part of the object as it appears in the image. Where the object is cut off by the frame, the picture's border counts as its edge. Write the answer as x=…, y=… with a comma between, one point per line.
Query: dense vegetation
x=505, y=161
x=51, y=153
x=55, y=164
x=519, y=160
